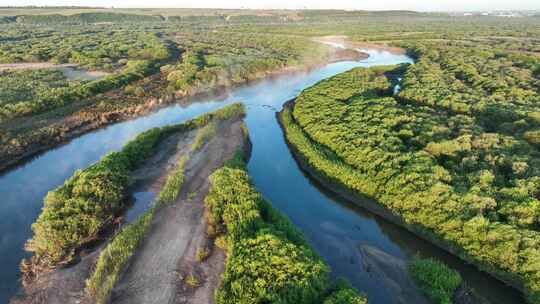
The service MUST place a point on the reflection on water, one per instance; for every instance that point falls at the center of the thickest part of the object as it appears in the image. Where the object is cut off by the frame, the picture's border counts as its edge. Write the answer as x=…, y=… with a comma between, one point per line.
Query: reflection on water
x=142, y=202
x=334, y=228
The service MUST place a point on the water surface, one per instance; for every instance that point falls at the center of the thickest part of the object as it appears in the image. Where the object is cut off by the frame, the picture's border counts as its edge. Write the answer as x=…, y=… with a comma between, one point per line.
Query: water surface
x=335, y=228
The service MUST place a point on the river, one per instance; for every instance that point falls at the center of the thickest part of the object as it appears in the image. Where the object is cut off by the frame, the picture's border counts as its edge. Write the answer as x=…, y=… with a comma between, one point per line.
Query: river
x=335, y=228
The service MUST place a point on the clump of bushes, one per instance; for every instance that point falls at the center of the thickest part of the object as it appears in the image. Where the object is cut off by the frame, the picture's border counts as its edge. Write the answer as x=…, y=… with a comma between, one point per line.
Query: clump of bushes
x=268, y=259
x=436, y=280
x=345, y=294
x=533, y=137
x=473, y=191
x=76, y=212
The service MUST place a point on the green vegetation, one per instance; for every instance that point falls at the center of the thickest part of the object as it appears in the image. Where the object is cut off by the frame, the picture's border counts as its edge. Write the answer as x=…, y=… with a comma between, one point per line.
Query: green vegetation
x=436, y=279
x=268, y=259
x=192, y=281
x=172, y=187
x=470, y=189
x=202, y=254
x=20, y=86
x=57, y=94
x=114, y=258
x=344, y=294
x=215, y=59
x=77, y=211
x=100, y=47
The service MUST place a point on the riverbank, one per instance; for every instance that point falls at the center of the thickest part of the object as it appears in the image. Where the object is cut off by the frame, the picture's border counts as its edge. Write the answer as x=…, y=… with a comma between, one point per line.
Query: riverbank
x=25, y=138
x=180, y=220
x=334, y=186
x=344, y=41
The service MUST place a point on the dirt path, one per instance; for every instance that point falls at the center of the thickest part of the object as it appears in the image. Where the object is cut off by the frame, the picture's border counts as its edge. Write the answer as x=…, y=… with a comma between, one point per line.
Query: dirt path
x=158, y=269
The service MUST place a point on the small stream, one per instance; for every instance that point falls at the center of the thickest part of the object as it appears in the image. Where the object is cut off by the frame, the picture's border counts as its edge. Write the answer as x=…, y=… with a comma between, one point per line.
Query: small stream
x=334, y=227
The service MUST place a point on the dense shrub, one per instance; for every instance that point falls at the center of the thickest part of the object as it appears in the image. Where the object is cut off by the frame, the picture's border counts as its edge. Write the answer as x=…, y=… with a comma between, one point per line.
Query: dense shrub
x=268, y=260
x=436, y=280
x=345, y=296
x=449, y=179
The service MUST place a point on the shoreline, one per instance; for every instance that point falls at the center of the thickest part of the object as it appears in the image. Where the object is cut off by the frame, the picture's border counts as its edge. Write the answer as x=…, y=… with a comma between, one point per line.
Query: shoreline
x=152, y=104
x=347, y=43
x=380, y=210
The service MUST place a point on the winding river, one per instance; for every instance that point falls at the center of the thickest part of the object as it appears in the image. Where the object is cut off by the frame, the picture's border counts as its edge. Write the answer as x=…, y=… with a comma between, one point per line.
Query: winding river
x=335, y=228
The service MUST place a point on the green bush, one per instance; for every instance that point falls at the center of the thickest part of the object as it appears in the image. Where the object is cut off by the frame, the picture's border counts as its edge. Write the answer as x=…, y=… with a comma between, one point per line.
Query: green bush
x=436, y=280
x=268, y=259
x=77, y=211
x=345, y=296
x=469, y=189
x=533, y=137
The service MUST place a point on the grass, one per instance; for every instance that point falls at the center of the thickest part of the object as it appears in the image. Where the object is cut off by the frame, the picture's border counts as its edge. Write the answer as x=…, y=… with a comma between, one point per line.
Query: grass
x=114, y=258
x=437, y=281
x=174, y=182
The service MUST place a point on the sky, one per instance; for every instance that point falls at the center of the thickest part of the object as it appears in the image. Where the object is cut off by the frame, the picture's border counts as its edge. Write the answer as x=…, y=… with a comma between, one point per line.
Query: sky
x=417, y=5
